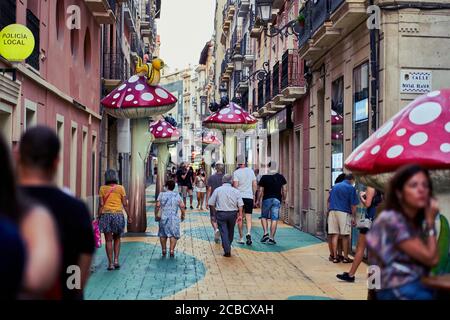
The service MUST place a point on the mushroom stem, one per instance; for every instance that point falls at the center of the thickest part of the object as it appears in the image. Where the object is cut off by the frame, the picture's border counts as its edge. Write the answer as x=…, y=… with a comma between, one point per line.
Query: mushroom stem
x=229, y=151
x=140, y=145
x=163, y=161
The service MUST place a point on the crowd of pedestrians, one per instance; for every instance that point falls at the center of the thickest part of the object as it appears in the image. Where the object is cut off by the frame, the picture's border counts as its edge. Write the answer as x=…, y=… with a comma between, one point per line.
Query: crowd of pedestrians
x=47, y=234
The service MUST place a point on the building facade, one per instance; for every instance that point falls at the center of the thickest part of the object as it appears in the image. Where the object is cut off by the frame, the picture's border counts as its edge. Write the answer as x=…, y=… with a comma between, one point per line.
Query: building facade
x=48, y=87
x=322, y=90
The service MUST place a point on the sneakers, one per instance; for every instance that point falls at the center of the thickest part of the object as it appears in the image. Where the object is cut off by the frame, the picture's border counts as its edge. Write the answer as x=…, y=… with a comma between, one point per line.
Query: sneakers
x=217, y=236
x=249, y=240
x=241, y=241
x=345, y=277
x=271, y=241
x=265, y=238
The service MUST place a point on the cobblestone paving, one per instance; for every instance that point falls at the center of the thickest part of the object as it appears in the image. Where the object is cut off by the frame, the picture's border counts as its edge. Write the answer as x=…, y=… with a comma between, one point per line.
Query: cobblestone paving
x=297, y=268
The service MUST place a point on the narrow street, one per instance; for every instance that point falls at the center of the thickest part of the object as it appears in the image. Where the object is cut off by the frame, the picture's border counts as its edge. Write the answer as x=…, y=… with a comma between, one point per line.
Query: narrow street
x=296, y=268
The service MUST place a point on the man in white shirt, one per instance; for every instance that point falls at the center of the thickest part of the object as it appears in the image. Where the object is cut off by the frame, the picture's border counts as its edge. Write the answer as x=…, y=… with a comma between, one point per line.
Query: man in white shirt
x=227, y=203
x=244, y=180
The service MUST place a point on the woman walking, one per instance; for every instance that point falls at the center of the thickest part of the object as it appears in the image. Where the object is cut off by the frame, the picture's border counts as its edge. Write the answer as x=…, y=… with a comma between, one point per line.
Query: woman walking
x=113, y=203
x=402, y=240
x=371, y=198
x=200, y=188
x=166, y=212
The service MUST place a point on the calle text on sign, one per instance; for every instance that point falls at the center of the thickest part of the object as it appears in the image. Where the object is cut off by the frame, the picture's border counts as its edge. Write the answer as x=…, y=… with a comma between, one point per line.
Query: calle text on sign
x=415, y=81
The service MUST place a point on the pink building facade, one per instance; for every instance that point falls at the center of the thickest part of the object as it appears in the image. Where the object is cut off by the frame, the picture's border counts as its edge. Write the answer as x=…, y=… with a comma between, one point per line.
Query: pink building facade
x=58, y=86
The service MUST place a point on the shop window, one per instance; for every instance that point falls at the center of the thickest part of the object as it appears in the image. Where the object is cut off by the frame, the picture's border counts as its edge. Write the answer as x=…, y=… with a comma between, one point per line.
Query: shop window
x=33, y=24
x=360, y=104
x=337, y=128
x=6, y=121
x=7, y=13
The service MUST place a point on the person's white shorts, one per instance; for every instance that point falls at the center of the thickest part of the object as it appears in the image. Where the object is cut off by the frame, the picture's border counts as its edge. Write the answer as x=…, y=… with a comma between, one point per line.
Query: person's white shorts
x=339, y=223
x=200, y=189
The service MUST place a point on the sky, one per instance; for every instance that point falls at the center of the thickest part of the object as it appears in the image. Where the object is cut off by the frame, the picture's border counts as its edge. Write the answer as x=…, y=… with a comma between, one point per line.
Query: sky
x=185, y=26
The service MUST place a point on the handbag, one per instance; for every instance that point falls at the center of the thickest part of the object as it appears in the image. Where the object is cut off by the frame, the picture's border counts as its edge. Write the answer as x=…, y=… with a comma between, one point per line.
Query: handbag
x=97, y=235
x=364, y=223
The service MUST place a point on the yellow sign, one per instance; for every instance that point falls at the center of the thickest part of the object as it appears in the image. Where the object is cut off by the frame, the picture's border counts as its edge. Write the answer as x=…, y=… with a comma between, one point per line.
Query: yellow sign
x=16, y=42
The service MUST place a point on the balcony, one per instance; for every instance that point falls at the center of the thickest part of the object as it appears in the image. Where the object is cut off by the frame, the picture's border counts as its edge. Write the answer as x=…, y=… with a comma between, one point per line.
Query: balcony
x=243, y=8
x=102, y=10
x=228, y=15
x=256, y=27
x=292, y=80
x=267, y=92
x=277, y=98
x=326, y=22
x=136, y=45
x=130, y=14
x=145, y=22
x=114, y=71
x=236, y=40
x=246, y=50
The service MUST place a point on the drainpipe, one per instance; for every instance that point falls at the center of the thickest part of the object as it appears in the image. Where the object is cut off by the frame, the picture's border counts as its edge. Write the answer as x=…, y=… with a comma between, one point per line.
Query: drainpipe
x=374, y=78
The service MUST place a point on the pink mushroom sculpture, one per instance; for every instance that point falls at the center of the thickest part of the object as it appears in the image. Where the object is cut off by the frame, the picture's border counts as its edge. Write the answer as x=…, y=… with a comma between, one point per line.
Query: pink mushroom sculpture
x=230, y=117
x=163, y=133
x=419, y=133
x=135, y=98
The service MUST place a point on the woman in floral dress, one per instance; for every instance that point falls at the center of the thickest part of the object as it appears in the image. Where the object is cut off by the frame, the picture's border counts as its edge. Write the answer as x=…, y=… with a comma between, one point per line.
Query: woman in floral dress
x=166, y=212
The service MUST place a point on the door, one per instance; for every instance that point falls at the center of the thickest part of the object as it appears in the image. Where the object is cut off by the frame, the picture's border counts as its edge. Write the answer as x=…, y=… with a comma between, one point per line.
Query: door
x=298, y=187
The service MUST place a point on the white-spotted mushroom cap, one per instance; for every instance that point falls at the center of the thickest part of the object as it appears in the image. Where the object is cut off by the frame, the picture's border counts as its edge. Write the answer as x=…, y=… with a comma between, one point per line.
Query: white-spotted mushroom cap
x=135, y=98
x=419, y=133
x=211, y=138
x=230, y=117
x=163, y=132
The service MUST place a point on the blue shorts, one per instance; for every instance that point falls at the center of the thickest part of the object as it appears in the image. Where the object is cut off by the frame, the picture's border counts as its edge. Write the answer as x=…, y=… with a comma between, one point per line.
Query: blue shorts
x=271, y=209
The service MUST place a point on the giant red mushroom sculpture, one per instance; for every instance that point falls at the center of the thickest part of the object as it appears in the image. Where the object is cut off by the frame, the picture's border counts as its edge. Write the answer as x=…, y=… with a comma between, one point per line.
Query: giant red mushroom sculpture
x=419, y=133
x=163, y=134
x=135, y=98
x=230, y=117
x=138, y=100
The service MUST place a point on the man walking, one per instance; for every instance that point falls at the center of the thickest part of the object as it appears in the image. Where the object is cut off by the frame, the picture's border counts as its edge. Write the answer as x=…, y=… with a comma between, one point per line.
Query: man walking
x=244, y=180
x=228, y=204
x=184, y=181
x=341, y=216
x=272, y=192
x=38, y=164
x=214, y=182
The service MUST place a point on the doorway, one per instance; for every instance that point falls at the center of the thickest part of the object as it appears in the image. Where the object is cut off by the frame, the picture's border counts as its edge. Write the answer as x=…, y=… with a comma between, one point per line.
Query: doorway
x=299, y=220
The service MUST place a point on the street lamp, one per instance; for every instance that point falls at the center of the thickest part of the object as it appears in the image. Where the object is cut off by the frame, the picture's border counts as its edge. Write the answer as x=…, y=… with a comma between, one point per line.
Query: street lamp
x=264, y=10
x=238, y=61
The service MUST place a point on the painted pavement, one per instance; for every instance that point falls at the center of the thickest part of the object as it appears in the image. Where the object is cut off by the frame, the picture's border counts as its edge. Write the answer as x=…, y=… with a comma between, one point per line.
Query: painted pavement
x=297, y=268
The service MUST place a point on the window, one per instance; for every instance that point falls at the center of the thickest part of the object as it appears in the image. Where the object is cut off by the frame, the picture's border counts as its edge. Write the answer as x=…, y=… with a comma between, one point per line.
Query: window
x=360, y=104
x=60, y=15
x=337, y=128
x=60, y=133
x=73, y=158
x=33, y=24
x=7, y=13
x=6, y=121
x=87, y=50
x=30, y=114
x=84, y=160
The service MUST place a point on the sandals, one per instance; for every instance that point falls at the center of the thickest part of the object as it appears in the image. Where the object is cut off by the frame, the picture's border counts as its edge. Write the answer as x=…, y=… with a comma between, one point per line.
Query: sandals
x=347, y=260
x=164, y=253
x=111, y=268
x=172, y=254
x=116, y=266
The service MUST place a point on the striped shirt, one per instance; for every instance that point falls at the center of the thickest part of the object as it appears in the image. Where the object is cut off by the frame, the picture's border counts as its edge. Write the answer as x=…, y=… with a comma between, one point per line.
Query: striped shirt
x=226, y=198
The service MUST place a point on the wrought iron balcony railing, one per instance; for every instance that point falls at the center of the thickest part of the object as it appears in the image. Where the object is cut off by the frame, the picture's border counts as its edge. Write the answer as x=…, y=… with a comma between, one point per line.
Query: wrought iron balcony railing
x=316, y=13
x=268, y=91
x=114, y=66
x=260, y=94
x=292, y=73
